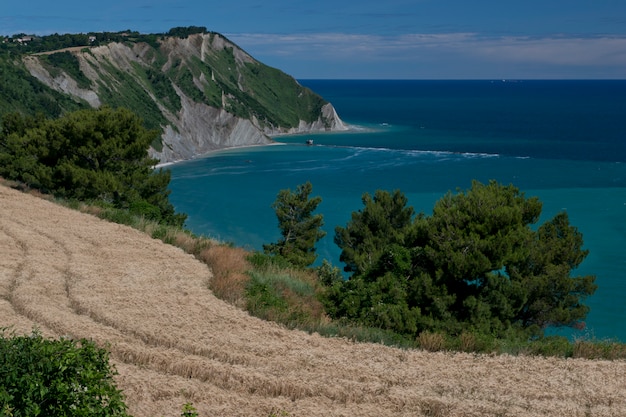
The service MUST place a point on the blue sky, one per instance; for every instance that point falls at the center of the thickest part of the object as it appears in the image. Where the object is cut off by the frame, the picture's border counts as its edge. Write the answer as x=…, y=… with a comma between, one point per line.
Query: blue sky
x=384, y=39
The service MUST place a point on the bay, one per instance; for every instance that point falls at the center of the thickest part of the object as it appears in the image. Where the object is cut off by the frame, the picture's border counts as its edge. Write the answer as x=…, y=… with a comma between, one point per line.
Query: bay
x=563, y=141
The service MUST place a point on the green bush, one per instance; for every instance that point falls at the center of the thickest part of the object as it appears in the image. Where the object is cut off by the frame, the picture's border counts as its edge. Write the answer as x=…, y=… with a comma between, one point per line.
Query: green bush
x=327, y=274
x=189, y=411
x=264, y=262
x=477, y=264
x=264, y=299
x=146, y=210
x=118, y=216
x=43, y=377
x=88, y=155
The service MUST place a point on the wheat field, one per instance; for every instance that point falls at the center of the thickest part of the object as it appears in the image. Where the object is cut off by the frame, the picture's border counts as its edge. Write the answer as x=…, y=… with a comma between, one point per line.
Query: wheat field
x=172, y=341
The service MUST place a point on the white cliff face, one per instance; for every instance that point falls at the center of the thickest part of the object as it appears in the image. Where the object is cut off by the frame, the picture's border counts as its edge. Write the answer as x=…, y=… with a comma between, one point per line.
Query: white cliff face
x=204, y=129
x=196, y=128
x=201, y=129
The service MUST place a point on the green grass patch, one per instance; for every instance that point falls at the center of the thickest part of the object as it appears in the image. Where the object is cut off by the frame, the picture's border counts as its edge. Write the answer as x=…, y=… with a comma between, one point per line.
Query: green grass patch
x=120, y=89
x=286, y=296
x=67, y=62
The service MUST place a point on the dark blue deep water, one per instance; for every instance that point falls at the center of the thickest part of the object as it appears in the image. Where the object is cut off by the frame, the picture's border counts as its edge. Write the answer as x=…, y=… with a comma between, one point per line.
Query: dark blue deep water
x=563, y=141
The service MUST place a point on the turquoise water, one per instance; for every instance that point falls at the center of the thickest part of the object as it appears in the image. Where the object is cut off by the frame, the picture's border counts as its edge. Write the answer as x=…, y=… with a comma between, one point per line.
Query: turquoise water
x=564, y=142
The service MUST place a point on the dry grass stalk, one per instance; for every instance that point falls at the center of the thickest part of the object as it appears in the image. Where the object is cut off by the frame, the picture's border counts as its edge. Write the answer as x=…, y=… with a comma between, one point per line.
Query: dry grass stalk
x=432, y=342
x=468, y=342
x=229, y=266
x=599, y=349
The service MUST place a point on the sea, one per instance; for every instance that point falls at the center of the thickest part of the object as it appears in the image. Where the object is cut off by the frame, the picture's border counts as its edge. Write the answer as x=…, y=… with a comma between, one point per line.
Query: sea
x=562, y=141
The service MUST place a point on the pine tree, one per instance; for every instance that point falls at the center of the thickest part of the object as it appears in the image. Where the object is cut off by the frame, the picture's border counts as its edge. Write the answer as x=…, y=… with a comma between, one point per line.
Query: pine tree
x=299, y=227
x=88, y=155
x=384, y=219
x=475, y=264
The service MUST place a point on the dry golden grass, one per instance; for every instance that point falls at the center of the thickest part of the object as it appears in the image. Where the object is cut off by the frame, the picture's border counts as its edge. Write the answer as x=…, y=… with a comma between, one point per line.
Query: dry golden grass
x=174, y=342
x=229, y=266
x=432, y=342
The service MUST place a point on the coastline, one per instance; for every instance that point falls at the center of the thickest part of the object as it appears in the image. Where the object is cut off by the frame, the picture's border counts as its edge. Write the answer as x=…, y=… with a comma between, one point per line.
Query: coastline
x=205, y=154
x=350, y=129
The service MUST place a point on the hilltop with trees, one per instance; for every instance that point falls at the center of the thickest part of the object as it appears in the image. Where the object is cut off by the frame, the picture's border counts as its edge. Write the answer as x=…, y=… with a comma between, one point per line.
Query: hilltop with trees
x=198, y=89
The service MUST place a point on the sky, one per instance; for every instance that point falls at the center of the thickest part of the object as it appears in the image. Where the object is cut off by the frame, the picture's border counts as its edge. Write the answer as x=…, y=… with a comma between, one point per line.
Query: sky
x=364, y=39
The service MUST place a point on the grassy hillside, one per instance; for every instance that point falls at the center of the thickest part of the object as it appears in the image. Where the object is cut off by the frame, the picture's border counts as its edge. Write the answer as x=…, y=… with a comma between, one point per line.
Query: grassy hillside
x=151, y=74
x=20, y=91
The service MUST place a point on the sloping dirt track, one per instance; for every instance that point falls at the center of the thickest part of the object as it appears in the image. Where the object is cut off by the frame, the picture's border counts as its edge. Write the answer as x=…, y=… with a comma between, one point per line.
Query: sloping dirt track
x=173, y=342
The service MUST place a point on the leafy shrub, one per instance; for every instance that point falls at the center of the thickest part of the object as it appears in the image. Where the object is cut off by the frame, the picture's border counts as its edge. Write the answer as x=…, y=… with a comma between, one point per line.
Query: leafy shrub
x=328, y=274
x=264, y=262
x=189, y=411
x=56, y=378
x=551, y=346
x=160, y=232
x=264, y=300
x=118, y=216
x=144, y=209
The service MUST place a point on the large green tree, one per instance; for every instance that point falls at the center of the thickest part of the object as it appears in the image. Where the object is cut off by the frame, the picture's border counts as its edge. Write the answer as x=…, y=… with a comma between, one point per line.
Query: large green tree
x=88, y=155
x=300, y=229
x=384, y=220
x=477, y=263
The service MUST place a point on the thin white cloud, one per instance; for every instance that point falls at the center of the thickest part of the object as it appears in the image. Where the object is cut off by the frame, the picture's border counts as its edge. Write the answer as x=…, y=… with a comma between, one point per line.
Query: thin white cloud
x=576, y=51
x=554, y=50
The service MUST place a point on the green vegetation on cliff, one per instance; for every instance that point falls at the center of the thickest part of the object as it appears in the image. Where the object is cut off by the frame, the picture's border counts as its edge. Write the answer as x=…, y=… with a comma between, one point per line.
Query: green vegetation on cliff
x=151, y=75
x=20, y=91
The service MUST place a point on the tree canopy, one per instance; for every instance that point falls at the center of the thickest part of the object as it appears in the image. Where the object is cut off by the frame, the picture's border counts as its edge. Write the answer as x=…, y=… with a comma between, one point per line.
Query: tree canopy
x=300, y=229
x=92, y=155
x=477, y=263
x=383, y=221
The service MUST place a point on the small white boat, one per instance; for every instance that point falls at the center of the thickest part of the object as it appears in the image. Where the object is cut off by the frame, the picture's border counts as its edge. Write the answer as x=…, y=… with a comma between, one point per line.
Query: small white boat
x=309, y=141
